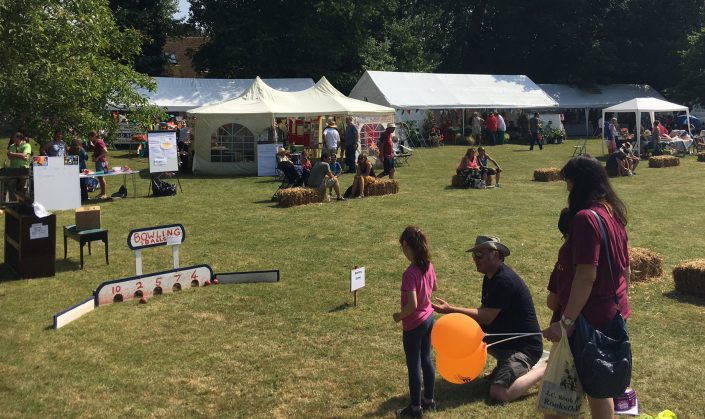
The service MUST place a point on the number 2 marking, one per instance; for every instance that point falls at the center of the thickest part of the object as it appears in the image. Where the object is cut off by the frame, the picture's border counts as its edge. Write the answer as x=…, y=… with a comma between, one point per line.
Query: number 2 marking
x=139, y=285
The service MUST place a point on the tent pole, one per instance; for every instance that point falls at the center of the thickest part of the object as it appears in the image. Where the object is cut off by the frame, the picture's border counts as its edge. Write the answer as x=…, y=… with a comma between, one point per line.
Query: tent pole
x=637, y=134
x=462, y=135
x=602, y=142
x=587, y=129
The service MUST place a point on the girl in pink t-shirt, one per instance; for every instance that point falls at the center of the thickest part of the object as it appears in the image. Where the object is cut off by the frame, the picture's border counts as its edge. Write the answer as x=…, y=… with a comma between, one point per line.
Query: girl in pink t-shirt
x=417, y=284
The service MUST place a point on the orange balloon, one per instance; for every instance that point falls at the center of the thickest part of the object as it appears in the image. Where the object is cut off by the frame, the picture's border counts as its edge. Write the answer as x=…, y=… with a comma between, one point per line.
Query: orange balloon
x=456, y=335
x=462, y=370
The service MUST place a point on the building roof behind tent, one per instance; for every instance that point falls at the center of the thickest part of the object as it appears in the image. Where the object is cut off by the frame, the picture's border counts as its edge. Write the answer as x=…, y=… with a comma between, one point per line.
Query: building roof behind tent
x=320, y=99
x=448, y=91
x=646, y=104
x=181, y=94
x=604, y=95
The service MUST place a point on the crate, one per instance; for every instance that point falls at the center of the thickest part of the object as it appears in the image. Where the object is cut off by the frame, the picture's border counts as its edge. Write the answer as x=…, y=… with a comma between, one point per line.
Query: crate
x=87, y=218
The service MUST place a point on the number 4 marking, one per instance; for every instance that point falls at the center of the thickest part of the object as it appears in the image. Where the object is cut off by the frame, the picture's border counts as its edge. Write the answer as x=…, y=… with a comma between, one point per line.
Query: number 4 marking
x=193, y=275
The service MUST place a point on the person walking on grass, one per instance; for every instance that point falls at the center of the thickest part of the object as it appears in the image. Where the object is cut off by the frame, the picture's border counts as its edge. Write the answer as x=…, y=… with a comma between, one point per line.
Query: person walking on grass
x=387, y=151
x=535, y=125
x=417, y=284
x=100, y=158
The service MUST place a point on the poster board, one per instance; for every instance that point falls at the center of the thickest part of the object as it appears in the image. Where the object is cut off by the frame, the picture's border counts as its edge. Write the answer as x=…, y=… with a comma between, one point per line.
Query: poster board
x=56, y=182
x=163, y=152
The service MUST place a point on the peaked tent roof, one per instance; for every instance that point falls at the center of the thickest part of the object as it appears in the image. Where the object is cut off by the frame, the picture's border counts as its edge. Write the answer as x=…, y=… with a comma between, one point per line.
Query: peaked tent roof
x=646, y=104
x=320, y=99
x=605, y=95
x=181, y=94
x=450, y=91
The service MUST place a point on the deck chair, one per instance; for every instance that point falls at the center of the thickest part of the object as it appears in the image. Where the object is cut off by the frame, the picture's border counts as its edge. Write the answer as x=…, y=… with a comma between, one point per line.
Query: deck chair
x=579, y=150
x=402, y=155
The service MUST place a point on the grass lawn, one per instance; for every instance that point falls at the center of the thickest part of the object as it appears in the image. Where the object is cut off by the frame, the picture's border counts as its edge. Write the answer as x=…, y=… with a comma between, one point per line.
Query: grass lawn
x=298, y=348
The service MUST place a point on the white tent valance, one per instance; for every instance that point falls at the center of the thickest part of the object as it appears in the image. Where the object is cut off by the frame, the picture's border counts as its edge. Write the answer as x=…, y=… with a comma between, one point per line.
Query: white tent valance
x=571, y=97
x=450, y=91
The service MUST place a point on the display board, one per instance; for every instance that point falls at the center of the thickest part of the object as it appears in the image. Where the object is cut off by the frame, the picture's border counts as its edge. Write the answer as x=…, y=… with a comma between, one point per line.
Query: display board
x=56, y=184
x=163, y=152
x=267, y=159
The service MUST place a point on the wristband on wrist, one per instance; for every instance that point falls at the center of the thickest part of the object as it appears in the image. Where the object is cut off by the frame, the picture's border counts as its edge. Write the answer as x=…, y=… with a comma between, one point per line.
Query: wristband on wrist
x=566, y=321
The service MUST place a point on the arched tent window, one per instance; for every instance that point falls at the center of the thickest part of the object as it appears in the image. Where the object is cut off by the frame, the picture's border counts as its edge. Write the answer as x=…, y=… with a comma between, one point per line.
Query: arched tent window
x=369, y=134
x=232, y=143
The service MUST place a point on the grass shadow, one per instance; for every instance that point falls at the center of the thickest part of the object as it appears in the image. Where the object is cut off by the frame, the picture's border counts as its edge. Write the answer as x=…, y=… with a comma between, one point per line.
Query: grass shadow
x=453, y=396
x=7, y=274
x=341, y=307
x=70, y=265
x=684, y=298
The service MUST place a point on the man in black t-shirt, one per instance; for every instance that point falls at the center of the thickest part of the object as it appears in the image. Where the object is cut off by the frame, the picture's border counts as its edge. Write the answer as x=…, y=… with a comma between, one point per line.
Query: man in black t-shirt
x=507, y=307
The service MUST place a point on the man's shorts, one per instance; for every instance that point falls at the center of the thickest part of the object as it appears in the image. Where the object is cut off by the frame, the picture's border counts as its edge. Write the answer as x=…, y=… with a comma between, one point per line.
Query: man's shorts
x=510, y=366
x=388, y=164
x=328, y=182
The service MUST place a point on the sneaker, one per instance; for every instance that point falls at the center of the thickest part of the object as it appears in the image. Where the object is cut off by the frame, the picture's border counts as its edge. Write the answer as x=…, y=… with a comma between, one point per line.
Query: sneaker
x=327, y=198
x=429, y=407
x=497, y=185
x=410, y=412
x=340, y=198
x=362, y=195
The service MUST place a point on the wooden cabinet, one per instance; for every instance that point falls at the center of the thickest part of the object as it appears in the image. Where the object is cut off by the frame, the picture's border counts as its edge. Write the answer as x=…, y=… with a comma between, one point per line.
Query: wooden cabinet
x=30, y=242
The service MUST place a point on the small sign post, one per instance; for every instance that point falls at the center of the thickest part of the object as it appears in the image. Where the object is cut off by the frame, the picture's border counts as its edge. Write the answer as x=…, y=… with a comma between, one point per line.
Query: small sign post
x=166, y=235
x=357, y=281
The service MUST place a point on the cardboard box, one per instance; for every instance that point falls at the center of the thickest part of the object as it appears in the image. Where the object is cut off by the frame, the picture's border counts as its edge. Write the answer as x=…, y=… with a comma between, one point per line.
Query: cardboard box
x=87, y=218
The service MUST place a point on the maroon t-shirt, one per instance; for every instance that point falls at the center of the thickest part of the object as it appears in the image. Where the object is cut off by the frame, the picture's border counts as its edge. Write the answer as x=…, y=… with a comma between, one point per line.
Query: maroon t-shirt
x=387, y=145
x=584, y=247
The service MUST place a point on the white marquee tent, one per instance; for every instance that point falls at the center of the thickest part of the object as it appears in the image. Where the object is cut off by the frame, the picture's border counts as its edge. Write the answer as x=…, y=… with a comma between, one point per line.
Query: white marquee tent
x=645, y=104
x=181, y=94
x=241, y=120
x=407, y=92
x=572, y=97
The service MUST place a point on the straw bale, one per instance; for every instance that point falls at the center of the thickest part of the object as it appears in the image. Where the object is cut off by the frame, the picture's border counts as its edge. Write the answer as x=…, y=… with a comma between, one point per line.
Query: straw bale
x=299, y=196
x=664, y=161
x=458, y=181
x=689, y=277
x=645, y=264
x=548, y=174
x=701, y=156
x=382, y=187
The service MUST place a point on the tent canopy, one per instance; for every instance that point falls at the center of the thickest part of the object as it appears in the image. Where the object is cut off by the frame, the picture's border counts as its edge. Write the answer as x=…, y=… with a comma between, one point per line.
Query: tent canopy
x=181, y=94
x=604, y=95
x=646, y=104
x=450, y=91
x=320, y=99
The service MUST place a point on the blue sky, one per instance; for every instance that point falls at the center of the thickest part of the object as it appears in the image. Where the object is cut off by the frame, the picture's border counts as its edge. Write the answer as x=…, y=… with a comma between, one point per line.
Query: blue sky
x=183, y=9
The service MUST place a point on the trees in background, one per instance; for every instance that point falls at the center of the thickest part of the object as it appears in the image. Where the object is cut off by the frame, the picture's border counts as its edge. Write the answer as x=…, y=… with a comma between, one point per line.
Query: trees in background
x=64, y=63
x=153, y=20
x=580, y=42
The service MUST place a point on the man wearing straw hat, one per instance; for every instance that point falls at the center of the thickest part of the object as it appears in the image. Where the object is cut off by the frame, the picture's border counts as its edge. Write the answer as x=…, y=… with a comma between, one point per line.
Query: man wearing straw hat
x=507, y=309
x=331, y=138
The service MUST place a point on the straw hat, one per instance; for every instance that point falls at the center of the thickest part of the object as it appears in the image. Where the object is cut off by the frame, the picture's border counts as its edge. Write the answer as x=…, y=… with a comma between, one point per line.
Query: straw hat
x=331, y=123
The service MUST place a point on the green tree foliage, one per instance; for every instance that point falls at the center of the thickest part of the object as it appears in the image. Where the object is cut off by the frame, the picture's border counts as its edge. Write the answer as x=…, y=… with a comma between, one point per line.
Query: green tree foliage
x=64, y=62
x=154, y=21
x=691, y=88
x=311, y=38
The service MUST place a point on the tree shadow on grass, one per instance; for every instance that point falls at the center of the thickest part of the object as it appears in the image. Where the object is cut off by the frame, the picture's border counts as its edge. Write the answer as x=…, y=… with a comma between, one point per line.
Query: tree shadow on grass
x=74, y=264
x=452, y=396
x=684, y=298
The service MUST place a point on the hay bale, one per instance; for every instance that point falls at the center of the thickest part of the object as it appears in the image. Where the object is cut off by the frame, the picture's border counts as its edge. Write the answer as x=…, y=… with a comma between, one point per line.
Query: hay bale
x=645, y=264
x=664, y=161
x=382, y=187
x=298, y=196
x=548, y=174
x=457, y=181
x=701, y=156
x=689, y=277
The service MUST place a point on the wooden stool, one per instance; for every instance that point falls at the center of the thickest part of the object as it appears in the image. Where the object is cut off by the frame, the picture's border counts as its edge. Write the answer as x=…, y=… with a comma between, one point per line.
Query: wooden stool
x=86, y=236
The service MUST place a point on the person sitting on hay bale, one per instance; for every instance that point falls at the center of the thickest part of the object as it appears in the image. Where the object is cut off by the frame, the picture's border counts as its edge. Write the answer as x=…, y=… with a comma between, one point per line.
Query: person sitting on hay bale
x=322, y=178
x=485, y=171
x=364, y=175
x=469, y=168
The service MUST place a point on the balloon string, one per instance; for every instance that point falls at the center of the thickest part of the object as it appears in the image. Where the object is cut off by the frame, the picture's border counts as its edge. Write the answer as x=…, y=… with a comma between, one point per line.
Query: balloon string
x=513, y=334
x=515, y=337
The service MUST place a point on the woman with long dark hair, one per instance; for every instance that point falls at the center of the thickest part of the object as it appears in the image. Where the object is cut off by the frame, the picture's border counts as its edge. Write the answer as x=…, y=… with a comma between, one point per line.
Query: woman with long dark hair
x=591, y=292
x=417, y=284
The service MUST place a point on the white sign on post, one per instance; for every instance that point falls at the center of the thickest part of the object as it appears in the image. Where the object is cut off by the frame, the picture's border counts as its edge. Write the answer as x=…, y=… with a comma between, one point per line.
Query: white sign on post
x=56, y=182
x=357, y=279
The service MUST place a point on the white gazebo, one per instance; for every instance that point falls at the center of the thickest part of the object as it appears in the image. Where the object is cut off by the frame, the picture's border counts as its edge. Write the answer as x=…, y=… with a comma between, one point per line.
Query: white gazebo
x=645, y=104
